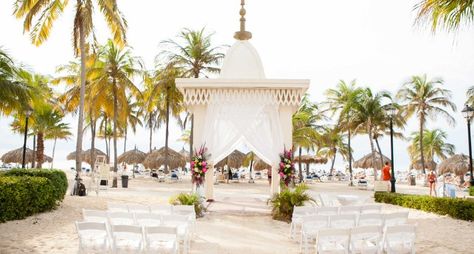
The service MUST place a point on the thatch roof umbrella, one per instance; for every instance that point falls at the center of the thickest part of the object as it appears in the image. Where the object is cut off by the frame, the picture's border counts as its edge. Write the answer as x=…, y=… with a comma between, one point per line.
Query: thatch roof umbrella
x=259, y=165
x=366, y=161
x=430, y=165
x=86, y=155
x=16, y=156
x=156, y=158
x=233, y=160
x=134, y=156
x=309, y=159
x=457, y=164
x=184, y=153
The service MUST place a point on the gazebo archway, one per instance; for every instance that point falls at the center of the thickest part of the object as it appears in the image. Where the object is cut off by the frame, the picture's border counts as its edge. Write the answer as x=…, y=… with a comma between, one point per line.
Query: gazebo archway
x=242, y=107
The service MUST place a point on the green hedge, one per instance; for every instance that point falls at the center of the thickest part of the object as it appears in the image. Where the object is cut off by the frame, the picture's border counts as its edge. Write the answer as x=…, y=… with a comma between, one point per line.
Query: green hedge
x=26, y=192
x=454, y=207
x=471, y=191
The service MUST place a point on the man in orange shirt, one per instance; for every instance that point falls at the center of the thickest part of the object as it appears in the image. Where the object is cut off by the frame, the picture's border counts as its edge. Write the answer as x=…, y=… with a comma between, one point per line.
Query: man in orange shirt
x=386, y=173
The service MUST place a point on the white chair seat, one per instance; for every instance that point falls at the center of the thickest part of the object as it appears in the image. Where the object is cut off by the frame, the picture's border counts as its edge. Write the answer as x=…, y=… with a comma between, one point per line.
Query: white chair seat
x=93, y=239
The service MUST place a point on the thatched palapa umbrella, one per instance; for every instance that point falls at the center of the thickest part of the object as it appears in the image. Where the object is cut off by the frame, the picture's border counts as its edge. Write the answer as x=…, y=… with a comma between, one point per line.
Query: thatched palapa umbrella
x=366, y=161
x=134, y=156
x=233, y=160
x=259, y=164
x=457, y=164
x=309, y=159
x=184, y=153
x=16, y=156
x=430, y=165
x=156, y=158
x=86, y=155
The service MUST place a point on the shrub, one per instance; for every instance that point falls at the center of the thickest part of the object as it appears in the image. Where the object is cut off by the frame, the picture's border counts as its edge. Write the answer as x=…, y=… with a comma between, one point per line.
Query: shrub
x=454, y=207
x=189, y=199
x=282, y=203
x=26, y=192
x=471, y=191
x=56, y=177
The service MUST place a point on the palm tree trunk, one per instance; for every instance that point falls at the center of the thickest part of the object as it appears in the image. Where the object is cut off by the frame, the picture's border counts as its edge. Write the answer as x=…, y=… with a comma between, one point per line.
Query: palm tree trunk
x=380, y=152
x=150, y=122
x=167, y=130
x=372, y=149
x=125, y=140
x=33, y=163
x=331, y=171
x=422, y=156
x=191, y=139
x=300, y=174
x=80, y=119
x=307, y=169
x=107, y=150
x=114, y=182
x=54, y=150
x=93, y=126
x=40, y=149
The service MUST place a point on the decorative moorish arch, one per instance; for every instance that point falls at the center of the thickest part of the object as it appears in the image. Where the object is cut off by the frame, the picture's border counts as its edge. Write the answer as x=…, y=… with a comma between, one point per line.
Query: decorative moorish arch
x=241, y=107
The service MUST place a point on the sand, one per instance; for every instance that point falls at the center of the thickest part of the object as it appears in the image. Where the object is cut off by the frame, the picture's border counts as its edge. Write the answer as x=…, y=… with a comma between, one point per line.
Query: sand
x=238, y=222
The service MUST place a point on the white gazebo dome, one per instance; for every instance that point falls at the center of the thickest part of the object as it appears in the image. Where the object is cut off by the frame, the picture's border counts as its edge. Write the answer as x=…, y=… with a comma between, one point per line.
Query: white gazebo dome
x=242, y=62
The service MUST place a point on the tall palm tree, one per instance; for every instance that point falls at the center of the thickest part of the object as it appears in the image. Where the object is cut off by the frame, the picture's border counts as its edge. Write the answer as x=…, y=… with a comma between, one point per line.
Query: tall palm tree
x=332, y=143
x=132, y=119
x=14, y=94
x=447, y=14
x=367, y=113
x=194, y=54
x=434, y=143
x=427, y=99
x=47, y=11
x=149, y=105
x=117, y=67
x=470, y=96
x=58, y=131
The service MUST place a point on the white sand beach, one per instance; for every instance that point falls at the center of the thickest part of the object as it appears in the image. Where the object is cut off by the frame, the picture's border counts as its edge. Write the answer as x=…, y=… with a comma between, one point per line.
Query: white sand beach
x=237, y=222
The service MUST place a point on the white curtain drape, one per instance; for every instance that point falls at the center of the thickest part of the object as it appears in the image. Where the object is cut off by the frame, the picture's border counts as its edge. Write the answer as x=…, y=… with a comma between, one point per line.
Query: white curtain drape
x=250, y=119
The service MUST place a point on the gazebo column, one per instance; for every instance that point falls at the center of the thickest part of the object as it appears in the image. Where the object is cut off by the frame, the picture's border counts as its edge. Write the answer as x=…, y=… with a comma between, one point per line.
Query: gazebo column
x=209, y=184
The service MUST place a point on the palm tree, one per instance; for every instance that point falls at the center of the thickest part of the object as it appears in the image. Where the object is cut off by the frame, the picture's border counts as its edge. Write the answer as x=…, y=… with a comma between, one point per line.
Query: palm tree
x=447, y=14
x=470, y=96
x=434, y=143
x=14, y=94
x=333, y=142
x=117, y=67
x=426, y=99
x=47, y=12
x=367, y=113
x=149, y=105
x=132, y=119
x=58, y=131
x=195, y=55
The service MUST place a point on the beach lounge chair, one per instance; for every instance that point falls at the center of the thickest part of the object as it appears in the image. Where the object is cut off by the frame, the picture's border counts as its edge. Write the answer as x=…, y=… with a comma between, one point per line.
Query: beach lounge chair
x=148, y=219
x=342, y=221
x=400, y=239
x=296, y=218
x=93, y=237
x=333, y=240
x=366, y=239
x=371, y=219
x=394, y=219
x=181, y=222
x=161, y=239
x=329, y=210
x=310, y=227
x=127, y=239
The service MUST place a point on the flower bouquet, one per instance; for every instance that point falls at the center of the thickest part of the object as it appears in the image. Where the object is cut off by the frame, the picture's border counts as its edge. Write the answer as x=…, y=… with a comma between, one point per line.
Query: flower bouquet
x=199, y=166
x=287, y=167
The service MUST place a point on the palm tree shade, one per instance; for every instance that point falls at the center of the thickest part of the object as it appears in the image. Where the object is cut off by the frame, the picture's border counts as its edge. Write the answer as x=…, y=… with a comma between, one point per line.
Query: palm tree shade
x=233, y=160
x=157, y=158
x=16, y=156
x=368, y=161
x=457, y=164
x=134, y=156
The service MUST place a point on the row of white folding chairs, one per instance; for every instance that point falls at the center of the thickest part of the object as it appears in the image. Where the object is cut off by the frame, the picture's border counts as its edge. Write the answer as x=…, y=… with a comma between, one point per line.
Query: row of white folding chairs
x=366, y=239
x=301, y=211
x=311, y=224
x=181, y=222
x=95, y=237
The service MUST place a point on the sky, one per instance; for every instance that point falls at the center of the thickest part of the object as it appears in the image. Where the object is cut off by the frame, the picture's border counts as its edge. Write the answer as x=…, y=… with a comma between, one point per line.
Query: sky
x=372, y=41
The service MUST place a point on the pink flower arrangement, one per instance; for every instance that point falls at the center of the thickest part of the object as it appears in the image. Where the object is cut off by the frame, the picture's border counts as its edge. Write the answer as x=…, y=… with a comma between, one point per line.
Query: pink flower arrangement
x=199, y=166
x=287, y=167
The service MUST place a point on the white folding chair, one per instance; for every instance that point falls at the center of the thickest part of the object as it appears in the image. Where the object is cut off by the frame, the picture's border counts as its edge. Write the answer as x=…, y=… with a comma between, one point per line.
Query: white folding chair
x=163, y=209
x=148, y=219
x=138, y=208
x=366, y=239
x=181, y=222
x=394, y=219
x=121, y=218
x=327, y=200
x=296, y=218
x=333, y=240
x=93, y=237
x=94, y=215
x=371, y=208
x=127, y=239
x=327, y=210
x=349, y=210
x=371, y=219
x=161, y=239
x=116, y=207
x=400, y=239
x=310, y=226
x=342, y=221
x=187, y=210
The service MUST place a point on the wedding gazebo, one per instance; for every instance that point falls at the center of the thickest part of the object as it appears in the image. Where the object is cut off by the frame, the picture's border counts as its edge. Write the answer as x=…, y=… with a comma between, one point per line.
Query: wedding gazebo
x=242, y=107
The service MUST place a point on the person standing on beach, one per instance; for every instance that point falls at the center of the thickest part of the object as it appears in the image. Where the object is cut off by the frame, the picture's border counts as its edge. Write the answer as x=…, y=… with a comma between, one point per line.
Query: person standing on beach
x=386, y=173
x=432, y=181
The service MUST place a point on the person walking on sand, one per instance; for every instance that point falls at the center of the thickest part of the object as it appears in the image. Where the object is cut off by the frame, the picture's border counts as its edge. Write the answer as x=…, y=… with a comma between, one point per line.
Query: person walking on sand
x=386, y=174
x=432, y=181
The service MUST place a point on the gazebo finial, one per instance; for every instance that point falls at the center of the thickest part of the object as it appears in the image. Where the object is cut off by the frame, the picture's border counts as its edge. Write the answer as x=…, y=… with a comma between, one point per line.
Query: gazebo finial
x=242, y=34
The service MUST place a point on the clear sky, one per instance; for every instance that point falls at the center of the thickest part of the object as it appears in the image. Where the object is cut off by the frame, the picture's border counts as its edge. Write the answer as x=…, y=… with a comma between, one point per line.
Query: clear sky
x=373, y=41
